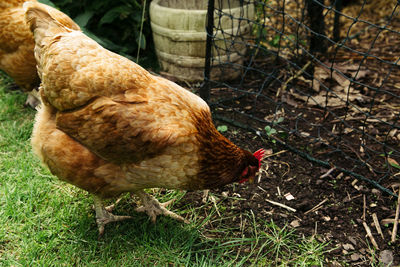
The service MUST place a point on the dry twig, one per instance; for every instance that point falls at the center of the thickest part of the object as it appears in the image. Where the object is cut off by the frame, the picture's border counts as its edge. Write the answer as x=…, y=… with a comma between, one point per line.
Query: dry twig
x=317, y=207
x=364, y=207
x=328, y=172
x=281, y=205
x=369, y=234
x=315, y=230
x=377, y=225
x=205, y=196
x=396, y=221
x=274, y=154
x=212, y=198
x=388, y=221
x=298, y=73
x=262, y=189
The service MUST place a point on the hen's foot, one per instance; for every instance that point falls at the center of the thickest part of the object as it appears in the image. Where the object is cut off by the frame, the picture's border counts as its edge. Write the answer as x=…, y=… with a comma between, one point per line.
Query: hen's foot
x=33, y=99
x=153, y=208
x=104, y=217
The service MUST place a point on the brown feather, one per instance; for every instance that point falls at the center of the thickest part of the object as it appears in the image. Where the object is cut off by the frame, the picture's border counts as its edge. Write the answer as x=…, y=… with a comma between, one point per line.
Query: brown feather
x=109, y=126
x=17, y=44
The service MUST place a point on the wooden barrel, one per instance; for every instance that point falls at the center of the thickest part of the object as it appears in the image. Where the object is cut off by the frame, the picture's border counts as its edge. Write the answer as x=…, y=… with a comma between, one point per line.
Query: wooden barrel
x=179, y=33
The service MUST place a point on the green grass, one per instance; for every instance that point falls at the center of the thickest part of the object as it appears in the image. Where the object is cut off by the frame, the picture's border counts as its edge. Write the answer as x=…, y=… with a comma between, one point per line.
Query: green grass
x=46, y=222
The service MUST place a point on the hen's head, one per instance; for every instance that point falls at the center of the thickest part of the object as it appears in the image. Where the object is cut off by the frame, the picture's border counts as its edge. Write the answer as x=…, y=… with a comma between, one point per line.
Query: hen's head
x=254, y=164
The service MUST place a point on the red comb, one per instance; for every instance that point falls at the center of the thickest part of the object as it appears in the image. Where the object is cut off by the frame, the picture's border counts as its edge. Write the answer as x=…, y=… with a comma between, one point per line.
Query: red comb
x=259, y=154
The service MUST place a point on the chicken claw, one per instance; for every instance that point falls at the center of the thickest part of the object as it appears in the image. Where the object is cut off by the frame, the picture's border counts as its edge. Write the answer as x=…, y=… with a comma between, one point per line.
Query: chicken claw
x=153, y=208
x=104, y=217
x=111, y=207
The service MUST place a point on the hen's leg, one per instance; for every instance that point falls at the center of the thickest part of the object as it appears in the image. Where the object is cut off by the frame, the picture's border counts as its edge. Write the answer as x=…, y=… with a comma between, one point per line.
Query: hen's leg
x=153, y=208
x=103, y=216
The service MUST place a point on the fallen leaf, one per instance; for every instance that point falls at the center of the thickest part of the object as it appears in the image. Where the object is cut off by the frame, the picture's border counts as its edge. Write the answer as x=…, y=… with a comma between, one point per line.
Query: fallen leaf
x=295, y=223
x=393, y=163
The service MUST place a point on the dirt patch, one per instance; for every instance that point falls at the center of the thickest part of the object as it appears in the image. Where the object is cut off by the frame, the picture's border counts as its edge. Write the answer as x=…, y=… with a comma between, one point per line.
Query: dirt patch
x=339, y=219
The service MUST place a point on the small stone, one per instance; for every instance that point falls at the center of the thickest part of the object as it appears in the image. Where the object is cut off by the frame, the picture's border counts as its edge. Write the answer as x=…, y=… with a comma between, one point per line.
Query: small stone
x=386, y=257
x=326, y=218
x=355, y=256
x=225, y=194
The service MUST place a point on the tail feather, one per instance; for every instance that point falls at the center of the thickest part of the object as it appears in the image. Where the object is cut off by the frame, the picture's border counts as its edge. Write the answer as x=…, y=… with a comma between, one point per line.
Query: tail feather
x=45, y=21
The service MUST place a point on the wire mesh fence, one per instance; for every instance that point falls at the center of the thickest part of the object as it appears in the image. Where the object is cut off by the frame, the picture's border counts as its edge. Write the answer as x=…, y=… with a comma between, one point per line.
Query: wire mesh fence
x=320, y=77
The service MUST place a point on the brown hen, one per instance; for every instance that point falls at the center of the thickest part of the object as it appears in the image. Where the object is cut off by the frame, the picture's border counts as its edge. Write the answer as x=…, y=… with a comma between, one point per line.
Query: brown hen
x=16, y=46
x=108, y=126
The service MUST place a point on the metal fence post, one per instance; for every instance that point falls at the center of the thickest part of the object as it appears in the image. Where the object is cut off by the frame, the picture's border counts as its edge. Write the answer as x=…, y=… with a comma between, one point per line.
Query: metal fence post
x=317, y=25
x=336, y=24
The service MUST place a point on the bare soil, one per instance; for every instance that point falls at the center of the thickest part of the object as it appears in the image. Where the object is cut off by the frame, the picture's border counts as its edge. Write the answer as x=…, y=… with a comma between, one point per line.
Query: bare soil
x=339, y=220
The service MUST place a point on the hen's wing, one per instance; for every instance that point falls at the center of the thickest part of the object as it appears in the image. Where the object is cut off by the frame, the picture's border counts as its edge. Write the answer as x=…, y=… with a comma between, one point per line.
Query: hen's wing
x=127, y=131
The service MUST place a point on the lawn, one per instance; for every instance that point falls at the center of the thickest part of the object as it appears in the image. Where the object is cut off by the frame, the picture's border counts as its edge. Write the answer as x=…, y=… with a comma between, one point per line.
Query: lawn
x=44, y=221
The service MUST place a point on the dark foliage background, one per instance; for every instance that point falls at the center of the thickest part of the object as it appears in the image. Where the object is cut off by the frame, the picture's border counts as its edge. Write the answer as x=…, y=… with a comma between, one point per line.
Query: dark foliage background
x=115, y=24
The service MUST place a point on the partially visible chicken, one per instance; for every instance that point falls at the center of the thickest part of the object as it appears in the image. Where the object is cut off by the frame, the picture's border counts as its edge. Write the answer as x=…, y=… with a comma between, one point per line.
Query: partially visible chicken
x=108, y=126
x=16, y=46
